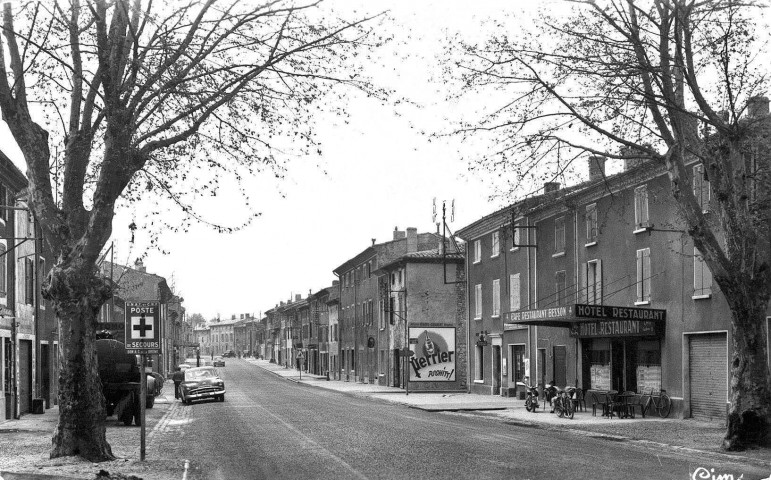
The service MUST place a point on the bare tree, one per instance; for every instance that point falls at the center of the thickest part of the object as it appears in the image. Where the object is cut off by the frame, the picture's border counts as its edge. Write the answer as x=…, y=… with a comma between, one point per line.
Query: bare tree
x=140, y=97
x=626, y=78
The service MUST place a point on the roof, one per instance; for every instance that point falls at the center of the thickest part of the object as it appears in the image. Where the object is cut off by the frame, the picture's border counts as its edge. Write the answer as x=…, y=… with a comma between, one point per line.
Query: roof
x=135, y=285
x=11, y=175
x=426, y=256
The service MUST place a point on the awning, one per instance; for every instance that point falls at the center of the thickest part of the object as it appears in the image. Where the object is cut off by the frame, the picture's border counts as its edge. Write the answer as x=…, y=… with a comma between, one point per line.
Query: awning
x=592, y=320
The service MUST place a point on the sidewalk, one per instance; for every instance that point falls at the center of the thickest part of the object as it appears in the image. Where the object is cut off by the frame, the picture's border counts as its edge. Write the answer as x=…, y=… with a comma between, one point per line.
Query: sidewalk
x=25, y=445
x=653, y=432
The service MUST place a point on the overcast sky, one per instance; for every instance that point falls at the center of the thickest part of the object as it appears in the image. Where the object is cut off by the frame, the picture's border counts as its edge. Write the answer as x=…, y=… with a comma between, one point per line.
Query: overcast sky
x=377, y=173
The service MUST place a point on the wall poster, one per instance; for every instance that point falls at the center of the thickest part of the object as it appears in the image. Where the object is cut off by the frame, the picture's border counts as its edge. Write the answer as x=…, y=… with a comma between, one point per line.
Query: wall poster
x=434, y=359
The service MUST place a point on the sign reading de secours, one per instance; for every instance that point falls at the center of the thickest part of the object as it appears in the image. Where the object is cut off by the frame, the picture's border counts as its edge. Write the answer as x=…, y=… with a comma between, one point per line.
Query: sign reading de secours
x=143, y=328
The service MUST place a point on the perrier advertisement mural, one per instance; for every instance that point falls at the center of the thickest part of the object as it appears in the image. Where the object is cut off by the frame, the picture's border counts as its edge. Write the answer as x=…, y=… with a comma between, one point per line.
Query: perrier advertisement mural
x=434, y=359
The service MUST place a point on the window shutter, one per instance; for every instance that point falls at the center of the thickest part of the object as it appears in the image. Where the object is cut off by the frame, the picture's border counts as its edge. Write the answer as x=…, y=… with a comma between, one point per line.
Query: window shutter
x=698, y=185
x=647, y=273
x=640, y=275
x=598, y=285
x=582, y=290
x=514, y=293
x=698, y=273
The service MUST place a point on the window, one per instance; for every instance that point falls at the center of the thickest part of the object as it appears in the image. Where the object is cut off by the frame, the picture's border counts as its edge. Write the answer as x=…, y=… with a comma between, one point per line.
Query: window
x=515, y=235
x=3, y=273
x=391, y=309
x=591, y=223
x=514, y=296
x=559, y=287
x=3, y=203
x=477, y=251
x=27, y=289
x=702, y=276
x=477, y=301
x=701, y=188
x=644, y=275
x=496, y=245
x=496, y=297
x=381, y=315
x=594, y=282
x=559, y=235
x=641, y=207
x=479, y=368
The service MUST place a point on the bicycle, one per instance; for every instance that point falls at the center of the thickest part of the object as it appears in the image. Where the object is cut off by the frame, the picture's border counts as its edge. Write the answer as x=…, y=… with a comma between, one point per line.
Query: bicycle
x=661, y=403
x=563, y=403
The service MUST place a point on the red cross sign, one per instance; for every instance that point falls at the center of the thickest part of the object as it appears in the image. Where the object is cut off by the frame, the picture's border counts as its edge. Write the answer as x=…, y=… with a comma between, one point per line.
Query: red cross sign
x=142, y=327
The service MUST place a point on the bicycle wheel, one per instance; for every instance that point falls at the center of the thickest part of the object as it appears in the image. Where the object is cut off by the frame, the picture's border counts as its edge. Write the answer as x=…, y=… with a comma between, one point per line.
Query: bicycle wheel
x=570, y=411
x=664, y=405
x=529, y=405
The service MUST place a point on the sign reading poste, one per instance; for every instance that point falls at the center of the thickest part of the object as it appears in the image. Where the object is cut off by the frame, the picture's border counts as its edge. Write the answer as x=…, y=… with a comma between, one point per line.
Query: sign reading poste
x=143, y=328
x=434, y=359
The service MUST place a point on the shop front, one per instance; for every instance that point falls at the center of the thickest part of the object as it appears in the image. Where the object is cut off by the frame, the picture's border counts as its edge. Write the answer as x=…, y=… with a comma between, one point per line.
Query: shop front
x=620, y=347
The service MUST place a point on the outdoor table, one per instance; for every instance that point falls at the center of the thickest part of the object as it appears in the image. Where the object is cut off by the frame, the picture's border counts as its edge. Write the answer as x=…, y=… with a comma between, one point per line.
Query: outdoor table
x=625, y=408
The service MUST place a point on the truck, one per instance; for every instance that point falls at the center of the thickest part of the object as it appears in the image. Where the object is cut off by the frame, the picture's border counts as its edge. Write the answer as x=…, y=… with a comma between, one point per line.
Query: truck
x=120, y=375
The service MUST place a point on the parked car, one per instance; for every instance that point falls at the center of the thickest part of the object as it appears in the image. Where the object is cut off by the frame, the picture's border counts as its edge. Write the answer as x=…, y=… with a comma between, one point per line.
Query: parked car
x=202, y=382
x=229, y=353
x=218, y=362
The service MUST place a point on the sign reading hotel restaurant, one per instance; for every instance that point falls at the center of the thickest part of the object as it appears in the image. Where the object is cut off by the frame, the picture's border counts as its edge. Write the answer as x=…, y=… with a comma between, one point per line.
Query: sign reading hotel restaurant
x=619, y=313
x=614, y=328
x=434, y=359
x=143, y=328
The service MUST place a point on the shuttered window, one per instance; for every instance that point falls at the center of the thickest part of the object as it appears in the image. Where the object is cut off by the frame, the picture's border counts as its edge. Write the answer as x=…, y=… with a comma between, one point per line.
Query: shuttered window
x=644, y=275
x=591, y=223
x=496, y=244
x=496, y=297
x=701, y=188
x=478, y=301
x=559, y=288
x=702, y=277
x=641, y=219
x=593, y=282
x=3, y=273
x=559, y=235
x=477, y=251
x=514, y=293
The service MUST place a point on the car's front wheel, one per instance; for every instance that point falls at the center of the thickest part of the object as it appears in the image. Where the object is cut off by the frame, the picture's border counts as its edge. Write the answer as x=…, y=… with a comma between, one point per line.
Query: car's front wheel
x=222, y=397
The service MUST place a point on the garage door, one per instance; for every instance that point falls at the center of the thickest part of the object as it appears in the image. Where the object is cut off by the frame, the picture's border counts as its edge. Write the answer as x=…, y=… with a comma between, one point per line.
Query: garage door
x=709, y=375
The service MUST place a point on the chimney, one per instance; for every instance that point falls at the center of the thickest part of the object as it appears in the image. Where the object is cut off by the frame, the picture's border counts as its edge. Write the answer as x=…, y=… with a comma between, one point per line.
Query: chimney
x=281, y=303
x=373, y=242
x=242, y=317
x=139, y=265
x=757, y=106
x=550, y=187
x=412, y=239
x=335, y=283
x=298, y=297
x=398, y=234
x=632, y=161
x=596, y=167
x=233, y=317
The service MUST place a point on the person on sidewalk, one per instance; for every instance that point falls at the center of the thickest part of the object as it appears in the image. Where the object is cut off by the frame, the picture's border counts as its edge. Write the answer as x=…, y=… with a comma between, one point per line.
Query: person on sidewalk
x=178, y=377
x=549, y=392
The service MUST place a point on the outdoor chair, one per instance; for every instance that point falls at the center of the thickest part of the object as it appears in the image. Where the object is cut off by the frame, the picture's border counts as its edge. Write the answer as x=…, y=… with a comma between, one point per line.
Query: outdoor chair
x=598, y=399
x=579, y=402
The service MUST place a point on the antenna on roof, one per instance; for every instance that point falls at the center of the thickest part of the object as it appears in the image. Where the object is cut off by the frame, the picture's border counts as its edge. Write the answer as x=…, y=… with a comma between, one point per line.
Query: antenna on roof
x=433, y=216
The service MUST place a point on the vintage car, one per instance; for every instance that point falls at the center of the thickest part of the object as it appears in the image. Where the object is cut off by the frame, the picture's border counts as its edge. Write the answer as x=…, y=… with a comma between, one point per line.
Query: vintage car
x=218, y=362
x=202, y=382
x=229, y=353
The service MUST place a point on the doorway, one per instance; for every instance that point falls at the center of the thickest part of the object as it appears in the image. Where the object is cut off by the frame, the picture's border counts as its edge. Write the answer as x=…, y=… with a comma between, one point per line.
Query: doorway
x=560, y=366
x=496, y=369
x=397, y=372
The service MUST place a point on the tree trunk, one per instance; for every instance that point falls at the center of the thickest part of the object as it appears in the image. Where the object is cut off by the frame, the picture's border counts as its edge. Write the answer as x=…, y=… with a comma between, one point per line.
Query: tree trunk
x=749, y=416
x=77, y=293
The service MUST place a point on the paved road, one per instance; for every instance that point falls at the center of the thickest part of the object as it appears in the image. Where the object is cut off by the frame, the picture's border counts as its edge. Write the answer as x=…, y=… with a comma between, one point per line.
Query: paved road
x=271, y=428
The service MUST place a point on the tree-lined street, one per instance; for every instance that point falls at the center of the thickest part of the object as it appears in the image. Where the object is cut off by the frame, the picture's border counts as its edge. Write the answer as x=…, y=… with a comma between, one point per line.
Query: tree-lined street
x=270, y=427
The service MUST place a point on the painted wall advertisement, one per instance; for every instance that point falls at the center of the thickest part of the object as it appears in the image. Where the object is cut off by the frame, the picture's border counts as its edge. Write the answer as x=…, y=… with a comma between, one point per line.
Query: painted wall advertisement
x=434, y=359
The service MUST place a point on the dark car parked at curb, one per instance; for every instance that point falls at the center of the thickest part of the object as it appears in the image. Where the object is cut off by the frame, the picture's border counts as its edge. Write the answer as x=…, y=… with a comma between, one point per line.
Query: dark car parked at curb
x=202, y=382
x=229, y=354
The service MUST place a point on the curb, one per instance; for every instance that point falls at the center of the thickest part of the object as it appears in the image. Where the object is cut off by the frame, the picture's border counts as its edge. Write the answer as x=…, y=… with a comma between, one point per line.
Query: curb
x=527, y=424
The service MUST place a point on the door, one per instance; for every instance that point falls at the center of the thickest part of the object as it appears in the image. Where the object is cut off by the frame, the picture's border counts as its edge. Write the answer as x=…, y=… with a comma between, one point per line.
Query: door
x=617, y=365
x=560, y=366
x=541, y=368
x=496, y=370
x=708, y=367
x=45, y=374
x=397, y=373
x=25, y=376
